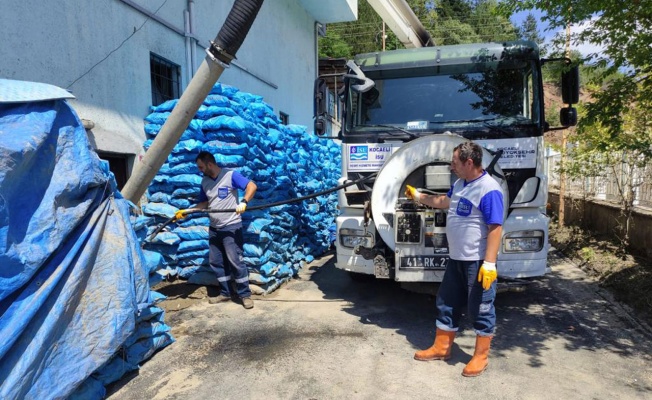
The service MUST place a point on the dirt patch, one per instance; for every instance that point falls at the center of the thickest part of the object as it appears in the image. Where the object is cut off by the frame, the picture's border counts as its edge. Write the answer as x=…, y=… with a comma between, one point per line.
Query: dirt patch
x=181, y=295
x=628, y=278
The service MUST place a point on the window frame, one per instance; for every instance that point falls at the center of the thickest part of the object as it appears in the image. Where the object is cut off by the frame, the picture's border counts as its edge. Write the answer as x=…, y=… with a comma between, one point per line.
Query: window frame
x=168, y=84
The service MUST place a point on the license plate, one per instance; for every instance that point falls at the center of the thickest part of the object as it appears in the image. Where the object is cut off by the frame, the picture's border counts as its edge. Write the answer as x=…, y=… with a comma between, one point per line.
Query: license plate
x=417, y=125
x=423, y=262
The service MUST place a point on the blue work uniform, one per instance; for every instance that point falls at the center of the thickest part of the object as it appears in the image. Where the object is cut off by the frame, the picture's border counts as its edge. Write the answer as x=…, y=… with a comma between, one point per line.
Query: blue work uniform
x=473, y=206
x=225, y=231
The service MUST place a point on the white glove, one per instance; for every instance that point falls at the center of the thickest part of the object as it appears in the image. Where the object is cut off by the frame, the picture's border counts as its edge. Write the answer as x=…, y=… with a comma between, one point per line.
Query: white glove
x=241, y=207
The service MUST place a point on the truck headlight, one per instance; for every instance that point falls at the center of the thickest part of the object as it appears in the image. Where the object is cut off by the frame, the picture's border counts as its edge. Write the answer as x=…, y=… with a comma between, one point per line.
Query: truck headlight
x=531, y=241
x=355, y=237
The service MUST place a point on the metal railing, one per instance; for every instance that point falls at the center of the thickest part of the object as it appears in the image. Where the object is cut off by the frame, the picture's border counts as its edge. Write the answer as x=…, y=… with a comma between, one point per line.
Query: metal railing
x=604, y=186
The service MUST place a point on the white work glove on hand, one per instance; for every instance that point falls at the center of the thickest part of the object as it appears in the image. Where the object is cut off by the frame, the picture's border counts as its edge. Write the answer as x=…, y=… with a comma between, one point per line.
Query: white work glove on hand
x=241, y=207
x=487, y=274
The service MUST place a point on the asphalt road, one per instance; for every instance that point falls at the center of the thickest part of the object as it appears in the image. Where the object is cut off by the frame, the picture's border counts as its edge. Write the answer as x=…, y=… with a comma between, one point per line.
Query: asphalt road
x=325, y=336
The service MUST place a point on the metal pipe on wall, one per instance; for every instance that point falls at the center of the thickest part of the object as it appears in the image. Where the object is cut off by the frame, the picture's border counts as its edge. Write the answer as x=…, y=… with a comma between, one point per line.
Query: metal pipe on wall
x=189, y=66
x=316, y=33
x=219, y=55
x=193, y=48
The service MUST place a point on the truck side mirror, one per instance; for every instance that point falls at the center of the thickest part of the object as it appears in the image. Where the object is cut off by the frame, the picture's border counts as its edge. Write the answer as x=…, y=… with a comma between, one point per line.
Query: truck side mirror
x=363, y=84
x=320, y=105
x=320, y=126
x=568, y=116
x=570, y=85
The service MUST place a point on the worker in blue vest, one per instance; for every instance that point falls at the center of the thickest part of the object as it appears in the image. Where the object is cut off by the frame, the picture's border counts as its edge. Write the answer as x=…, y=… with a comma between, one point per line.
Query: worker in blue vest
x=219, y=191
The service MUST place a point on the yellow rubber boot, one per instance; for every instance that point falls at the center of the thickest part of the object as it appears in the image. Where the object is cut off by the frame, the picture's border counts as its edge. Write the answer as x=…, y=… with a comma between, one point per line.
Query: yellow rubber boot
x=480, y=358
x=440, y=350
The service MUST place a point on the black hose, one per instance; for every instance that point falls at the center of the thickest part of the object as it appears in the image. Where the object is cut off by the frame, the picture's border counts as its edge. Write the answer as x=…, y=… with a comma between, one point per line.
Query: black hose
x=491, y=168
x=235, y=29
x=270, y=205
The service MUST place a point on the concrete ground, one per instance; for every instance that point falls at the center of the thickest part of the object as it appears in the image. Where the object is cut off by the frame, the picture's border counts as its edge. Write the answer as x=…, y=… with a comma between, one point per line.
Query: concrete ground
x=325, y=336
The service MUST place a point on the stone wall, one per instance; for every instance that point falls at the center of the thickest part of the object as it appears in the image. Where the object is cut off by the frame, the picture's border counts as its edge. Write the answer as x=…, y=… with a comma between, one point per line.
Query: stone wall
x=603, y=218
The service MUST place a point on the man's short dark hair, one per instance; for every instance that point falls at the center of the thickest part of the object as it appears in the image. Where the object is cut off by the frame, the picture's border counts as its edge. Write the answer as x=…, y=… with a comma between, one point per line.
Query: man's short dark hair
x=470, y=150
x=205, y=157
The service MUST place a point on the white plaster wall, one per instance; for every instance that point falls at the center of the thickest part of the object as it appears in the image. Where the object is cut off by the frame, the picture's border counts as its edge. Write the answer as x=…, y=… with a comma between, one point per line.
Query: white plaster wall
x=280, y=49
x=81, y=41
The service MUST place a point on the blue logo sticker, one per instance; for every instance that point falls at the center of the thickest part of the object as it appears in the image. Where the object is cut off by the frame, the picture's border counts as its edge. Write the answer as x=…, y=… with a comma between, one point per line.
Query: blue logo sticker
x=359, y=153
x=464, y=207
x=222, y=192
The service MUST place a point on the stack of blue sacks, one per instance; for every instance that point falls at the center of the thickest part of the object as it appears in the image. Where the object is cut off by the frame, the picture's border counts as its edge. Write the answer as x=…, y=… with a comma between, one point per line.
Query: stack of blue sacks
x=285, y=161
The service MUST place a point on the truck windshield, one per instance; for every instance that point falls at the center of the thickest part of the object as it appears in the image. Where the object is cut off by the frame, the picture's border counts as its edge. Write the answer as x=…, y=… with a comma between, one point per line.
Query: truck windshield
x=448, y=97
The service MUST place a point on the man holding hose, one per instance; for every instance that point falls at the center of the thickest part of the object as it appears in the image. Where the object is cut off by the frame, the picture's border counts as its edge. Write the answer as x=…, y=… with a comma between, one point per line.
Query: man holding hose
x=219, y=191
x=473, y=229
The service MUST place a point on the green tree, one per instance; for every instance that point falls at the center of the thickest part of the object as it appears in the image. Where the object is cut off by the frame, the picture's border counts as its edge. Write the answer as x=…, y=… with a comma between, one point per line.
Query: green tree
x=447, y=21
x=614, y=136
x=453, y=31
x=453, y=9
x=529, y=30
x=470, y=22
x=622, y=163
x=332, y=45
x=552, y=71
x=362, y=36
x=624, y=31
x=489, y=24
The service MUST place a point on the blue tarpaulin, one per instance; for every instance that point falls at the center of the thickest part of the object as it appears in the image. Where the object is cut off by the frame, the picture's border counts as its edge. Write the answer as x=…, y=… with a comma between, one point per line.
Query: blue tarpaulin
x=73, y=280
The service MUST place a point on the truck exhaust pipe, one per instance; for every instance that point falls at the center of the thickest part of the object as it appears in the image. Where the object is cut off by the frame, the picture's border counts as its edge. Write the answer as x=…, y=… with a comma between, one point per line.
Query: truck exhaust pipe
x=219, y=56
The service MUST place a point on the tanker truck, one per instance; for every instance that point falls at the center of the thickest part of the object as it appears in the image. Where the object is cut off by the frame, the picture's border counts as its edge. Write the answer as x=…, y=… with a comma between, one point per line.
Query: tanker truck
x=402, y=114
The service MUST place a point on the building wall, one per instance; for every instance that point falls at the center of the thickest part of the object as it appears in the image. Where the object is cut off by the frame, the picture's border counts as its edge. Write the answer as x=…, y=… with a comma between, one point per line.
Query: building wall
x=100, y=51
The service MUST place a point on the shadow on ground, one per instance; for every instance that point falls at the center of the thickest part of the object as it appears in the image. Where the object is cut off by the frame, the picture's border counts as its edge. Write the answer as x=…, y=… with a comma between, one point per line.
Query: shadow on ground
x=551, y=309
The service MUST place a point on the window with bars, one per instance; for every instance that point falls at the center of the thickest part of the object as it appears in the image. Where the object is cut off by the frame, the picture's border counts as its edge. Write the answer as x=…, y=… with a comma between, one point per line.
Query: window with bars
x=165, y=79
x=285, y=118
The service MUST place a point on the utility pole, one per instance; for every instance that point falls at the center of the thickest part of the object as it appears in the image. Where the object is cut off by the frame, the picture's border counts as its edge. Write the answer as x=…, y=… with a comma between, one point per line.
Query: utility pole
x=562, y=174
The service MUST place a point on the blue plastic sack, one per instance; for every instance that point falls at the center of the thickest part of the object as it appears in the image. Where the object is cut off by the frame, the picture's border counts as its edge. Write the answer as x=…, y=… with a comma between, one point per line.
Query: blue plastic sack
x=225, y=90
x=160, y=209
x=225, y=148
x=181, y=168
x=207, y=112
x=166, y=106
x=158, y=118
x=191, y=245
x=192, y=233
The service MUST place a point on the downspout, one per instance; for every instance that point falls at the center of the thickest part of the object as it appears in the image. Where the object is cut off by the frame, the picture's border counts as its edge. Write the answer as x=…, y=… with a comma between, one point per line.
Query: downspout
x=193, y=48
x=317, y=26
x=194, y=40
x=189, y=46
x=219, y=56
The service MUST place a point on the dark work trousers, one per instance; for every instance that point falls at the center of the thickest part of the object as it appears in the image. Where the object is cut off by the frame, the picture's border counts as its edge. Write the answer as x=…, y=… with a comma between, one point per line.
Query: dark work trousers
x=460, y=289
x=225, y=258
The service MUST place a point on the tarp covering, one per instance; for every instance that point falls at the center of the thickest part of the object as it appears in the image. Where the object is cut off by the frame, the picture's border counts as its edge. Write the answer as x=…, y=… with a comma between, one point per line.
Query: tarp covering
x=73, y=281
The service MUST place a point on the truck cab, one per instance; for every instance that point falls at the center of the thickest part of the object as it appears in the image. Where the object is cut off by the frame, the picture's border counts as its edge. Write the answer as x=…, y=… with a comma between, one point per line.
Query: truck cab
x=404, y=111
